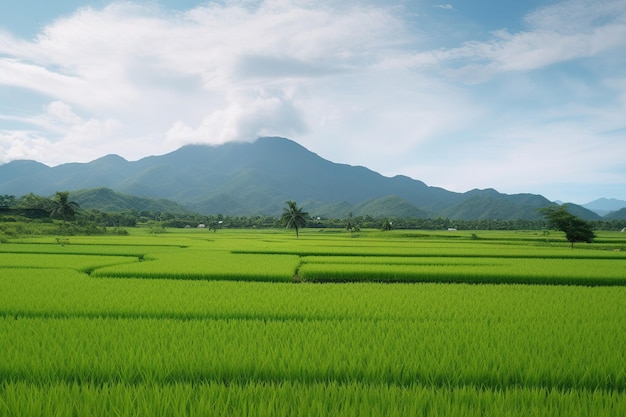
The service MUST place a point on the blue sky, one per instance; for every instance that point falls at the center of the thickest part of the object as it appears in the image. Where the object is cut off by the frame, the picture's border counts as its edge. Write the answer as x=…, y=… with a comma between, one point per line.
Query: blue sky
x=526, y=96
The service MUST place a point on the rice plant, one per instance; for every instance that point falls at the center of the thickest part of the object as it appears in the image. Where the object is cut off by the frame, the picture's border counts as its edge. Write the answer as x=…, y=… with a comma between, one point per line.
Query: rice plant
x=187, y=331
x=550, y=271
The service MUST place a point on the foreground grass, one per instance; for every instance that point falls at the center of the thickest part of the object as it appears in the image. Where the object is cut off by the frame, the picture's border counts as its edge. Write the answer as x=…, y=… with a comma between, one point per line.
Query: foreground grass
x=298, y=399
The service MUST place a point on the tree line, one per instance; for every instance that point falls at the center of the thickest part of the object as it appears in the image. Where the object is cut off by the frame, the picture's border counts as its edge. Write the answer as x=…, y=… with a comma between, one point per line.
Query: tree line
x=31, y=207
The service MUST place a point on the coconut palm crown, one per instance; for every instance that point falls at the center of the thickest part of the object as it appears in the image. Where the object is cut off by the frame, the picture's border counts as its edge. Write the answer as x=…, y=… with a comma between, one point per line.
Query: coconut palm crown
x=64, y=208
x=293, y=217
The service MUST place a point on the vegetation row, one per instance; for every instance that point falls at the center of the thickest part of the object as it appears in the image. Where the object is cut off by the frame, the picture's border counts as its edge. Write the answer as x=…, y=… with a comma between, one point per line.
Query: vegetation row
x=34, y=215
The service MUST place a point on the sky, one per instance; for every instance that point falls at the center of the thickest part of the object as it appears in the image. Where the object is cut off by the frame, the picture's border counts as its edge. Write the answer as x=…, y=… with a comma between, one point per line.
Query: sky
x=524, y=97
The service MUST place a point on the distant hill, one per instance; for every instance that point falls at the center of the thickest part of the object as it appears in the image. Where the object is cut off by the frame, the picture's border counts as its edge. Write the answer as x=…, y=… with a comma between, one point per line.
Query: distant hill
x=604, y=206
x=105, y=199
x=257, y=178
x=616, y=215
x=383, y=207
x=490, y=204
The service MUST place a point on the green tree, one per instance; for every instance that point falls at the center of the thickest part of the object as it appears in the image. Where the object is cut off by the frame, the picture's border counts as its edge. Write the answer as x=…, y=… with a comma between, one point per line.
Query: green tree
x=63, y=208
x=7, y=200
x=575, y=228
x=386, y=226
x=33, y=201
x=351, y=227
x=293, y=217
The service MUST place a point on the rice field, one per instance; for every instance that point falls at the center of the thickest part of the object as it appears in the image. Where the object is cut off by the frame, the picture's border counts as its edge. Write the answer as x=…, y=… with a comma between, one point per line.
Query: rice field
x=550, y=271
x=247, y=323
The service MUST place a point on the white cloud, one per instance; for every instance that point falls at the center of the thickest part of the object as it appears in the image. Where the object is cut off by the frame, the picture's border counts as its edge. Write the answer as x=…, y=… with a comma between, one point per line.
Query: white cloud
x=14, y=72
x=63, y=113
x=80, y=142
x=350, y=80
x=215, y=73
x=262, y=116
x=574, y=16
x=566, y=31
x=17, y=144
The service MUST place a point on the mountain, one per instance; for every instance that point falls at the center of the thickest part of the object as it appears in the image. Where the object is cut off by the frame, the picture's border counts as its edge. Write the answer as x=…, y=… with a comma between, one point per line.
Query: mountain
x=616, y=215
x=17, y=169
x=582, y=212
x=604, y=206
x=258, y=177
x=382, y=207
x=107, y=200
x=490, y=204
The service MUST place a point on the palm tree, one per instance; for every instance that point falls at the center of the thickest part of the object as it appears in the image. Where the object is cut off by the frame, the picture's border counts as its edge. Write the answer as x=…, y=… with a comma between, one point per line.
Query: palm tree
x=63, y=208
x=293, y=217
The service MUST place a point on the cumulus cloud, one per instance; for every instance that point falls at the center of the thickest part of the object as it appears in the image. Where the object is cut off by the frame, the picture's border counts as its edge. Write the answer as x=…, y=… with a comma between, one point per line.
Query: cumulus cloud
x=63, y=113
x=214, y=73
x=260, y=116
x=18, y=144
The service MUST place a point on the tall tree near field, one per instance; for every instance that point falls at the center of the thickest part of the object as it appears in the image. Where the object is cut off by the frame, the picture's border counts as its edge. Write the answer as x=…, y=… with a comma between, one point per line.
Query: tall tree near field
x=575, y=228
x=293, y=217
x=351, y=227
x=63, y=208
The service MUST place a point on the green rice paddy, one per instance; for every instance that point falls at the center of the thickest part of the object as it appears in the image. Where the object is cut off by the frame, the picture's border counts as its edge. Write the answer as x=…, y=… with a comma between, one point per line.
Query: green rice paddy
x=258, y=323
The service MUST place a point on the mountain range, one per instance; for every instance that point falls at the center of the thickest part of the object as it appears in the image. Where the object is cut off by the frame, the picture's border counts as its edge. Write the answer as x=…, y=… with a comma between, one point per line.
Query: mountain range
x=605, y=206
x=257, y=178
